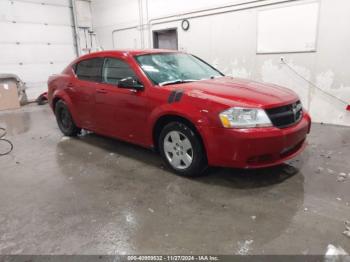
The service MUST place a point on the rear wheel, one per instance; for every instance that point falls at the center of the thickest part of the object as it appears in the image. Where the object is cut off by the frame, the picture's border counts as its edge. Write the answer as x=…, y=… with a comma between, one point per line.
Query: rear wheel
x=64, y=119
x=182, y=149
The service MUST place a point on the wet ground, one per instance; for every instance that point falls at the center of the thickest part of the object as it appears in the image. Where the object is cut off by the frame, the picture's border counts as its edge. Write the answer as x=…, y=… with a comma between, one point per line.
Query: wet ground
x=95, y=195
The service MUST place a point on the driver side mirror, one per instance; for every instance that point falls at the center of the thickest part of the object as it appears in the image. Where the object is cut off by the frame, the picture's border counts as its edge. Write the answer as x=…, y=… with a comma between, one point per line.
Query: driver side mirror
x=130, y=83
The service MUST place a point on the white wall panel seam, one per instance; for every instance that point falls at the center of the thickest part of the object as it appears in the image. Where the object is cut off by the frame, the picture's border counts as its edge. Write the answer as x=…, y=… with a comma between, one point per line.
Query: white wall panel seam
x=36, y=43
x=34, y=23
x=39, y=63
x=37, y=3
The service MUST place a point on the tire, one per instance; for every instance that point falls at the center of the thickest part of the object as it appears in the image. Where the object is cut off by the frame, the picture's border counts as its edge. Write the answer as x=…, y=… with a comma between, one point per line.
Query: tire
x=182, y=150
x=64, y=119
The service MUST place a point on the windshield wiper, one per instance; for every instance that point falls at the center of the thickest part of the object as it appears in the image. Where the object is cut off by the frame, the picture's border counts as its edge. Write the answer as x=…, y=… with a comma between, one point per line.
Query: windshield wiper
x=177, y=81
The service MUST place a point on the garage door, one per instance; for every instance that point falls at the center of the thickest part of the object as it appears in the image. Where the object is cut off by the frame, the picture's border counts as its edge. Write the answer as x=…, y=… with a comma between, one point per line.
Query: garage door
x=36, y=40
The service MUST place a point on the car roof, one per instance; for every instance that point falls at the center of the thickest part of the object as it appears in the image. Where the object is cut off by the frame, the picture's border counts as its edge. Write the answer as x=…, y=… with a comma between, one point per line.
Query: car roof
x=126, y=52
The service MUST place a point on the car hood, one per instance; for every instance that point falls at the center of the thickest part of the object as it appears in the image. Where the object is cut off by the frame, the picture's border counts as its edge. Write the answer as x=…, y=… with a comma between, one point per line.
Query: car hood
x=240, y=92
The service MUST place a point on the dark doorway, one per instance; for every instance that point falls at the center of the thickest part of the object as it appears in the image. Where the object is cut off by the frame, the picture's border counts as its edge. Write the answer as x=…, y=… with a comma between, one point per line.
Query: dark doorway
x=165, y=39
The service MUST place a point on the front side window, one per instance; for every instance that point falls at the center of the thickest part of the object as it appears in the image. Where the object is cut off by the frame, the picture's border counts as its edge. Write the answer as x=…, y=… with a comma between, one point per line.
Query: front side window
x=169, y=68
x=115, y=70
x=90, y=69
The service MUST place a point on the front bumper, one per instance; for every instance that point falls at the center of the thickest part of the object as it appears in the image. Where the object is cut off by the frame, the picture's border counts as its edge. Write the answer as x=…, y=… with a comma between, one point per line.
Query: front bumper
x=255, y=147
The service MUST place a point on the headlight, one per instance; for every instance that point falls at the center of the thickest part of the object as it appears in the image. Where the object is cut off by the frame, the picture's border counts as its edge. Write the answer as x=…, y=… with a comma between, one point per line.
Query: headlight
x=238, y=117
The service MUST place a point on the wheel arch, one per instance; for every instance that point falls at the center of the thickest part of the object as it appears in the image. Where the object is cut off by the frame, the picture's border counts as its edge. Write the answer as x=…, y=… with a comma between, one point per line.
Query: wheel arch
x=166, y=119
x=54, y=102
x=66, y=99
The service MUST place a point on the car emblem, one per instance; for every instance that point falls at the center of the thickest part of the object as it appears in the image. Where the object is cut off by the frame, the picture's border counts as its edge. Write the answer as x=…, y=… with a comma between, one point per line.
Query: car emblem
x=295, y=111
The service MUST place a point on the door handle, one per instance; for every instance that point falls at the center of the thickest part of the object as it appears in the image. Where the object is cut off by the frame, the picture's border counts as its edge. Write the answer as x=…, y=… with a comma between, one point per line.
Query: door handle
x=70, y=85
x=101, y=91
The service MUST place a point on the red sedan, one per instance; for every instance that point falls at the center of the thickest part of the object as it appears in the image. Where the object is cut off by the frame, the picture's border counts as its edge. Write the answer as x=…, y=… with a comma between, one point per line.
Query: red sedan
x=182, y=107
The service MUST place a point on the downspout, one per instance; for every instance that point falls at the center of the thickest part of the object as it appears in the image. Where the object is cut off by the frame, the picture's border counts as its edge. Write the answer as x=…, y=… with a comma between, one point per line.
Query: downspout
x=76, y=30
x=147, y=19
x=141, y=23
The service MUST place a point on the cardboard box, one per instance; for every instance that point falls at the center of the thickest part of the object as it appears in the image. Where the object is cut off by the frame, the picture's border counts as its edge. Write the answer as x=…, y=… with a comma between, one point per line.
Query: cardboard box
x=8, y=95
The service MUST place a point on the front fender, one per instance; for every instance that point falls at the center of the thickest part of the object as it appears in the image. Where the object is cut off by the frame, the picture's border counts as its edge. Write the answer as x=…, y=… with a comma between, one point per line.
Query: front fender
x=193, y=113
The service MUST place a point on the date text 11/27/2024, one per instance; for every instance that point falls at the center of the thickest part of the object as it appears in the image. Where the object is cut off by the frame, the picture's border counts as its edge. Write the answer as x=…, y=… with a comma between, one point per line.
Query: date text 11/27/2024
x=173, y=258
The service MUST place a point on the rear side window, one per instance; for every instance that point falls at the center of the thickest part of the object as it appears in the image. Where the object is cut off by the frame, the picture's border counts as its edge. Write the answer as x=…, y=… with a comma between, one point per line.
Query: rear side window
x=90, y=69
x=114, y=70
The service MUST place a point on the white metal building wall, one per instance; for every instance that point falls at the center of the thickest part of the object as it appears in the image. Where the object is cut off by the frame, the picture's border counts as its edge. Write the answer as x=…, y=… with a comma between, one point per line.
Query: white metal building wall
x=225, y=33
x=36, y=40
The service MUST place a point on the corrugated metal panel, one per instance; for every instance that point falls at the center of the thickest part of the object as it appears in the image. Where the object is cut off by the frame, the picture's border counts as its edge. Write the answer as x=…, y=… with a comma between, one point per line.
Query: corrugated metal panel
x=35, y=33
x=16, y=54
x=34, y=75
x=36, y=40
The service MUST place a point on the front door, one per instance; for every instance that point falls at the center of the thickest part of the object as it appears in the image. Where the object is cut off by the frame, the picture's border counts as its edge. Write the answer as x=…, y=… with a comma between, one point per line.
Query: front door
x=120, y=112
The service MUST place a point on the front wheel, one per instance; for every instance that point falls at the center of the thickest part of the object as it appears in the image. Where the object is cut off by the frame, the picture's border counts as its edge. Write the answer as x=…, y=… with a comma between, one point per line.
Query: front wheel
x=64, y=119
x=182, y=149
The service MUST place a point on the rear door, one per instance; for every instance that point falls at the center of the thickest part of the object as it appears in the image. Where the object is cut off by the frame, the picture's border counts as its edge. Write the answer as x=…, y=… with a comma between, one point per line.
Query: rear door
x=89, y=75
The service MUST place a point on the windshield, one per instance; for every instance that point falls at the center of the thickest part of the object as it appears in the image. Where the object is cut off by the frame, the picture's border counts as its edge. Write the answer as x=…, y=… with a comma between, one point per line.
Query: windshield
x=175, y=68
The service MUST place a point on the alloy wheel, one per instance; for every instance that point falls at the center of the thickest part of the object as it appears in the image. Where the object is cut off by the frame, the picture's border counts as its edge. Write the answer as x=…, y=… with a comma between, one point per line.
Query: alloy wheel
x=178, y=150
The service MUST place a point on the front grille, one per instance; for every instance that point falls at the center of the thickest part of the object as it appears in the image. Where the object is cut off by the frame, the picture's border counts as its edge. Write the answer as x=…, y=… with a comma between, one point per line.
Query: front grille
x=285, y=116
